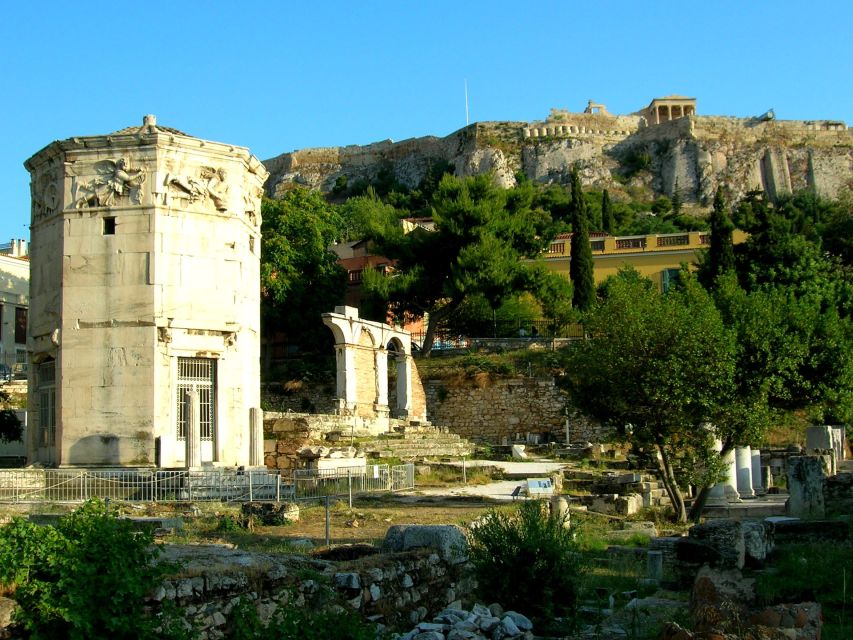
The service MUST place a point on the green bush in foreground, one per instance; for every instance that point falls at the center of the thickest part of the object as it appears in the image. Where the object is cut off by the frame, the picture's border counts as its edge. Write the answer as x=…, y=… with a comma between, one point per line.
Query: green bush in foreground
x=527, y=561
x=86, y=577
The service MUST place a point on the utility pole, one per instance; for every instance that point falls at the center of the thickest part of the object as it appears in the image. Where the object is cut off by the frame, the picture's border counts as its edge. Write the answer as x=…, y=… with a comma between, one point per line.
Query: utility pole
x=466, y=103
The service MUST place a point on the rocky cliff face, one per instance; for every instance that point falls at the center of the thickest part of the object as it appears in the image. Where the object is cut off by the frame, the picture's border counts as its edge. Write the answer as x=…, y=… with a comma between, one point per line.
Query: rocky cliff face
x=692, y=155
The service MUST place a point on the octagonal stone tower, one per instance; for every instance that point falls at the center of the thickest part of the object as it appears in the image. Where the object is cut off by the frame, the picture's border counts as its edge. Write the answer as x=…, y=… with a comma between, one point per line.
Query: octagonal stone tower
x=145, y=292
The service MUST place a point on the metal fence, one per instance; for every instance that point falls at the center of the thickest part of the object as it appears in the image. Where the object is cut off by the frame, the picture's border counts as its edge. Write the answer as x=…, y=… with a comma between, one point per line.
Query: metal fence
x=216, y=485
x=311, y=483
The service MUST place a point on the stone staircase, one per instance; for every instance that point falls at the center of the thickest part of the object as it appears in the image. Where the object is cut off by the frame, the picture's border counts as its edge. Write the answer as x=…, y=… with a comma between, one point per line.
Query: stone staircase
x=619, y=483
x=423, y=441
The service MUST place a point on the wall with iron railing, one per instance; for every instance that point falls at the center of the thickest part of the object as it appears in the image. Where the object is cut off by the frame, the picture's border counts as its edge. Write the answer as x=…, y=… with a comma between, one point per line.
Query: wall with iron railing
x=214, y=485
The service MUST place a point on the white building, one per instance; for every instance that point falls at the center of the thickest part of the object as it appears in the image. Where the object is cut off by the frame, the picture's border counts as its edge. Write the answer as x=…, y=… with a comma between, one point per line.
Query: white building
x=145, y=247
x=14, y=302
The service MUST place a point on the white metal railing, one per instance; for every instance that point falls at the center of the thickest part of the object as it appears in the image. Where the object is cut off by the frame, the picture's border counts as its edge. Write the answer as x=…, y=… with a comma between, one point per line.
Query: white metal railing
x=314, y=483
x=140, y=485
x=214, y=485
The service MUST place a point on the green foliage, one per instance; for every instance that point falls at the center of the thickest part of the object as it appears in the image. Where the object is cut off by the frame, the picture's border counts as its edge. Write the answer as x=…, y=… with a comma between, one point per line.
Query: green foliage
x=661, y=206
x=580, y=263
x=11, y=428
x=527, y=561
x=299, y=623
x=720, y=257
x=85, y=578
x=300, y=277
x=658, y=366
x=676, y=201
x=607, y=217
x=782, y=267
x=636, y=160
x=474, y=364
x=481, y=235
x=229, y=524
x=816, y=573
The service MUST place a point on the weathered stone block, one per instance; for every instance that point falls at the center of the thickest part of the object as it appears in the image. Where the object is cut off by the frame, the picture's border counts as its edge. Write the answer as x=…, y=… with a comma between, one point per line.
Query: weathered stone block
x=805, y=487
x=448, y=540
x=726, y=537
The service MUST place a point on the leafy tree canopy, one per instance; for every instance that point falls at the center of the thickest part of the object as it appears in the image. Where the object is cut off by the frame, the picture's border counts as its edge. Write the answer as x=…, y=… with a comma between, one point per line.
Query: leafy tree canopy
x=660, y=366
x=482, y=235
x=300, y=278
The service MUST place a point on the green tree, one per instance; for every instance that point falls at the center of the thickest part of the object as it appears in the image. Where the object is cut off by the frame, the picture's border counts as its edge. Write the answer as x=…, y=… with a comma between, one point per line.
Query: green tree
x=486, y=241
x=658, y=366
x=789, y=304
x=661, y=206
x=720, y=257
x=11, y=429
x=677, y=203
x=580, y=261
x=608, y=221
x=300, y=277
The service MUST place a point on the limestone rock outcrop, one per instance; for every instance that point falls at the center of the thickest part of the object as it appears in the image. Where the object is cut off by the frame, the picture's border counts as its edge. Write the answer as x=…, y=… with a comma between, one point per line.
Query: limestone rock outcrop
x=692, y=155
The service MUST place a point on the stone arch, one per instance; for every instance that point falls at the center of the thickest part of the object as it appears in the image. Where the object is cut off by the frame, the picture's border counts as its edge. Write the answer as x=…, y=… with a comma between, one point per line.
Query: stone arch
x=362, y=351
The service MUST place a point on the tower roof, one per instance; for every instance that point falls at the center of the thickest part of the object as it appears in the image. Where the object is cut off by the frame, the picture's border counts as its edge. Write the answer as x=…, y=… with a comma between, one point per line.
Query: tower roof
x=149, y=125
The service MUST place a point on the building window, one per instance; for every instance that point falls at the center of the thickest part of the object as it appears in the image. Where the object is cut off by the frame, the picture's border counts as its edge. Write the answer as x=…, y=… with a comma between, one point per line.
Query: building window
x=47, y=403
x=109, y=226
x=670, y=278
x=198, y=373
x=20, y=325
x=630, y=243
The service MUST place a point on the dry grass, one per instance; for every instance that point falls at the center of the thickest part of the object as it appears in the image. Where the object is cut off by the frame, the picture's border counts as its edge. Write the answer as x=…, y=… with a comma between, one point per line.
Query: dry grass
x=367, y=522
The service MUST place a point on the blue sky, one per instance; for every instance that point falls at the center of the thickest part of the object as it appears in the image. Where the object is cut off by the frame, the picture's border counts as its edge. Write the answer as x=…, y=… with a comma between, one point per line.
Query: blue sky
x=288, y=75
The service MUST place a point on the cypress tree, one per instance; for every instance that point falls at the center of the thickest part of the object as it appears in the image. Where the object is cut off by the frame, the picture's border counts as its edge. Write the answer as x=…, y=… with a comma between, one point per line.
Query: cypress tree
x=676, y=200
x=607, y=213
x=580, y=264
x=721, y=254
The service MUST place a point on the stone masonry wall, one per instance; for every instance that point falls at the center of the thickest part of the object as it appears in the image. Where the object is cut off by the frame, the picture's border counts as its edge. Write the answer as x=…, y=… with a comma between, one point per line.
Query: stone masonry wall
x=399, y=588
x=419, y=400
x=504, y=408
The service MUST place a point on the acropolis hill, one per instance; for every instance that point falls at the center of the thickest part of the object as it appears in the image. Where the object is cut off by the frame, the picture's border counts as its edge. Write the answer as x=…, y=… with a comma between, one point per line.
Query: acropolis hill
x=663, y=147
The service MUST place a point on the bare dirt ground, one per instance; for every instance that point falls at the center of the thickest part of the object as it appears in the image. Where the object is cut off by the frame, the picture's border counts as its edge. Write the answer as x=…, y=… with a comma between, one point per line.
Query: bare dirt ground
x=367, y=521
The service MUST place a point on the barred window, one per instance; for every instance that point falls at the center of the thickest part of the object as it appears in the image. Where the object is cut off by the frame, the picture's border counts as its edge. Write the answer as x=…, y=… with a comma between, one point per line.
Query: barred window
x=47, y=403
x=198, y=373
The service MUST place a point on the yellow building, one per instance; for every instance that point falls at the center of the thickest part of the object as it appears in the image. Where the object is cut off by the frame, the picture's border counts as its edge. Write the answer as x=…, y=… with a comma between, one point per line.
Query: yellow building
x=658, y=257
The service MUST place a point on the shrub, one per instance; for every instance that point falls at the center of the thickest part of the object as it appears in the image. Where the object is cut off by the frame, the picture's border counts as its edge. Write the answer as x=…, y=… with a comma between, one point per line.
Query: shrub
x=87, y=577
x=814, y=572
x=527, y=561
x=299, y=623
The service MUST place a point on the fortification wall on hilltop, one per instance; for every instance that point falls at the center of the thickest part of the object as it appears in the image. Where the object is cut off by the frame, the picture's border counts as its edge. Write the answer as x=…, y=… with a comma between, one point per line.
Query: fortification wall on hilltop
x=750, y=130
x=567, y=124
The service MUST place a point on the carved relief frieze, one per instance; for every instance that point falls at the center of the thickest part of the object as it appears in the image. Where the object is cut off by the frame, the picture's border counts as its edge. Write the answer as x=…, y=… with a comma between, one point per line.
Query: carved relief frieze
x=116, y=183
x=45, y=192
x=252, y=196
x=209, y=187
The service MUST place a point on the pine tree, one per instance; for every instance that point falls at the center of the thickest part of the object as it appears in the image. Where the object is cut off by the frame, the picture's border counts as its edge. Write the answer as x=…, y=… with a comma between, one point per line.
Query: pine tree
x=607, y=213
x=580, y=264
